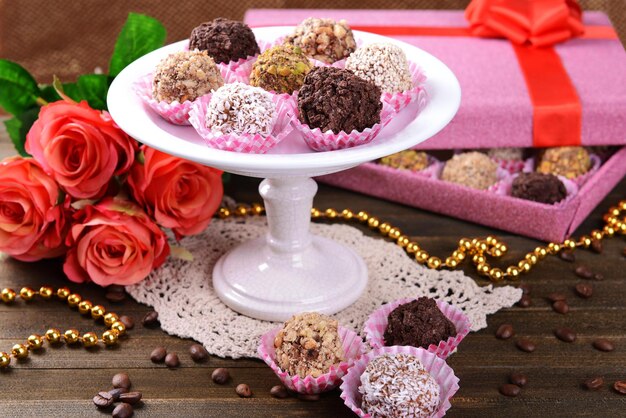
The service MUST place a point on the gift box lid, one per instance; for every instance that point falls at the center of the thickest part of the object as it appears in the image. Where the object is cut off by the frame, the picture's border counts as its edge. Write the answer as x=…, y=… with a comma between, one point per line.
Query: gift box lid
x=496, y=109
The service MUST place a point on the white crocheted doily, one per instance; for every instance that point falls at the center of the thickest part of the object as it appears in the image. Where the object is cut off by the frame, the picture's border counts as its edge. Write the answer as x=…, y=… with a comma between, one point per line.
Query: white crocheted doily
x=182, y=292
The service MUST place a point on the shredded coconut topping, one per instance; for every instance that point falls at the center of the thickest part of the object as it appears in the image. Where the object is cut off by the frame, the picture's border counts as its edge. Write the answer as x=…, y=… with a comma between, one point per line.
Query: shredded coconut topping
x=383, y=64
x=241, y=109
x=398, y=385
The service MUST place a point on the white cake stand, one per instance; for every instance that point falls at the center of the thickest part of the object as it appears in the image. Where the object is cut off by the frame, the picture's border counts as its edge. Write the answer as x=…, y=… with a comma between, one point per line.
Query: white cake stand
x=289, y=270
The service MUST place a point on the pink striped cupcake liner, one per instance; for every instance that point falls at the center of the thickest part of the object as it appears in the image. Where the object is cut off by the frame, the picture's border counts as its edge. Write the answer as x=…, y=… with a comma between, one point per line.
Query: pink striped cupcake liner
x=246, y=143
x=436, y=366
x=400, y=100
x=512, y=166
x=376, y=324
x=353, y=348
x=330, y=141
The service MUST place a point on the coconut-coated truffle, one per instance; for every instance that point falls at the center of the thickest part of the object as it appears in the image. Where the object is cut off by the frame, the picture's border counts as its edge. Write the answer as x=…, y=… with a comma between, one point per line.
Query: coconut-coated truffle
x=471, y=169
x=185, y=75
x=539, y=187
x=280, y=69
x=225, y=40
x=384, y=64
x=508, y=154
x=569, y=162
x=335, y=99
x=398, y=386
x=323, y=39
x=241, y=109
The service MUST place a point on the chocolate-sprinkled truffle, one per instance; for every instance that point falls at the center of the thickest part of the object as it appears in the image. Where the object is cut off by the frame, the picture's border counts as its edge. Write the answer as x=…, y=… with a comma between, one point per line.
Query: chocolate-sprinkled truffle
x=308, y=344
x=337, y=100
x=539, y=187
x=383, y=64
x=280, y=69
x=398, y=386
x=185, y=75
x=471, y=169
x=406, y=160
x=241, y=109
x=510, y=154
x=569, y=162
x=225, y=40
x=323, y=39
x=419, y=323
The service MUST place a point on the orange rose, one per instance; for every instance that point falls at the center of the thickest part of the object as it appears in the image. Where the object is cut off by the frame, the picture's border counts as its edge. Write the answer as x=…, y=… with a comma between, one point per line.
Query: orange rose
x=32, y=225
x=177, y=193
x=80, y=147
x=113, y=242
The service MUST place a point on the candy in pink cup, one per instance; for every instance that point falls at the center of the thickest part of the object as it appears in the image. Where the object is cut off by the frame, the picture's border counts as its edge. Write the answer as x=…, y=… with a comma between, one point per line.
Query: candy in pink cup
x=247, y=143
x=436, y=367
x=353, y=348
x=330, y=141
x=376, y=325
x=400, y=100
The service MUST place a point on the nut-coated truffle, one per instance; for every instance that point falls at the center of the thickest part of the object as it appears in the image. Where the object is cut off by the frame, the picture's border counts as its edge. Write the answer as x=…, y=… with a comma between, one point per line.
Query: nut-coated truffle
x=510, y=154
x=569, y=162
x=225, y=40
x=280, y=69
x=539, y=187
x=335, y=99
x=323, y=39
x=383, y=64
x=471, y=169
x=406, y=160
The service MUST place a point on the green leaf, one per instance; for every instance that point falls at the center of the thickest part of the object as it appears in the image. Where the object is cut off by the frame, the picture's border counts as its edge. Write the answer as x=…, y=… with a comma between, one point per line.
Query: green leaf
x=90, y=87
x=18, y=127
x=141, y=34
x=49, y=94
x=18, y=89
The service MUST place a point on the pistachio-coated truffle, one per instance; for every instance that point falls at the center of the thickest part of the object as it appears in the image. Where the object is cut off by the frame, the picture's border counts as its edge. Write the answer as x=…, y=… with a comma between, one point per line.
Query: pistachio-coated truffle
x=280, y=69
x=406, y=160
x=569, y=162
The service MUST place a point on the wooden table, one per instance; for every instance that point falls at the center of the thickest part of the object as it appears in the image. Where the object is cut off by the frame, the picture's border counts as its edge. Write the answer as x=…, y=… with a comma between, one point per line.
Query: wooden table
x=61, y=381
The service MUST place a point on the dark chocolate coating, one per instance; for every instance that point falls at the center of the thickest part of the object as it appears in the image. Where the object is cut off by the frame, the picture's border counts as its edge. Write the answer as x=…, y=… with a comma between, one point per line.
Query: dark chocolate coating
x=538, y=187
x=419, y=324
x=224, y=40
x=336, y=99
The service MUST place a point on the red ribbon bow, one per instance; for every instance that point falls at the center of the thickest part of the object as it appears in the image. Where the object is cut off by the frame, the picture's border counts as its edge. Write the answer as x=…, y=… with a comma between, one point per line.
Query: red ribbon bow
x=535, y=22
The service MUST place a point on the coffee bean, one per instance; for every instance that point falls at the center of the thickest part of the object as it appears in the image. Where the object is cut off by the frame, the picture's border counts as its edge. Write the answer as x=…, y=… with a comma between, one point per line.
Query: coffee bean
x=128, y=321
x=279, y=391
x=121, y=380
x=117, y=392
x=103, y=399
x=198, y=353
x=510, y=390
x=620, y=387
x=524, y=302
x=584, y=272
x=116, y=288
x=158, y=355
x=584, y=290
x=560, y=306
x=565, y=334
x=594, y=383
x=123, y=410
x=567, y=256
x=518, y=379
x=505, y=331
x=115, y=297
x=220, y=375
x=526, y=288
x=596, y=246
x=553, y=297
x=603, y=344
x=131, y=397
x=171, y=360
x=313, y=397
x=598, y=277
x=526, y=345
x=243, y=390
x=151, y=319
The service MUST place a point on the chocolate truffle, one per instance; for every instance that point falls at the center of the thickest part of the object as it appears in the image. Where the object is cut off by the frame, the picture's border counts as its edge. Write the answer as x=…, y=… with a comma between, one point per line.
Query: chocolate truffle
x=398, y=386
x=308, y=344
x=224, y=39
x=241, y=109
x=471, y=169
x=509, y=154
x=334, y=99
x=280, y=69
x=406, y=160
x=323, y=39
x=383, y=64
x=538, y=187
x=419, y=323
x=569, y=162
x=185, y=75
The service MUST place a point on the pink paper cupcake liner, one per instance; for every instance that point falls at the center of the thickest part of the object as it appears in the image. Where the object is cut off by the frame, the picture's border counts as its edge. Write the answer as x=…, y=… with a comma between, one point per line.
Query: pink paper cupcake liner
x=247, y=143
x=436, y=366
x=400, y=100
x=512, y=166
x=376, y=324
x=353, y=348
x=330, y=141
